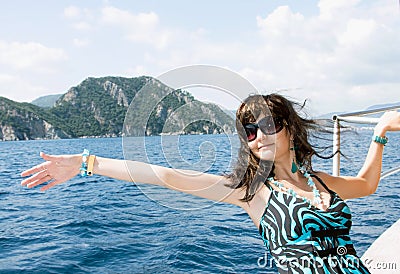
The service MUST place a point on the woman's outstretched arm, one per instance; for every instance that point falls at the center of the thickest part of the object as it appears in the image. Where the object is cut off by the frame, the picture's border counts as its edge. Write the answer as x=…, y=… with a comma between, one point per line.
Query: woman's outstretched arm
x=367, y=180
x=58, y=169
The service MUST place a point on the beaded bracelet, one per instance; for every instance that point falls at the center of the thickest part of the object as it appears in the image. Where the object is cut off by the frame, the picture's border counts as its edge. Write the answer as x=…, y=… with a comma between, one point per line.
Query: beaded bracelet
x=83, y=169
x=381, y=140
x=87, y=163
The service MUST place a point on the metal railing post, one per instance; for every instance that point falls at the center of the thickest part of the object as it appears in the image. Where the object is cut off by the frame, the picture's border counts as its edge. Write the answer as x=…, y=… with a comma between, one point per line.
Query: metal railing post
x=354, y=117
x=336, y=147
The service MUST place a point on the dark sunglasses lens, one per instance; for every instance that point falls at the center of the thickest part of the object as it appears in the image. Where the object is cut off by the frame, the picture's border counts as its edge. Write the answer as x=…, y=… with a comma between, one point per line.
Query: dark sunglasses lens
x=278, y=126
x=251, y=132
x=270, y=125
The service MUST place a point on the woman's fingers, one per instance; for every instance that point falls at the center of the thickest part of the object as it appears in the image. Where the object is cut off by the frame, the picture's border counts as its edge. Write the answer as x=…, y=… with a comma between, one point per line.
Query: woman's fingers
x=50, y=185
x=40, y=178
x=40, y=173
x=40, y=181
x=33, y=170
x=38, y=168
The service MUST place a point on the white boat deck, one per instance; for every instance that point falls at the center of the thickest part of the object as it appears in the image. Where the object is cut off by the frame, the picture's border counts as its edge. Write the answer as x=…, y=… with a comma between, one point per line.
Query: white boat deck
x=383, y=256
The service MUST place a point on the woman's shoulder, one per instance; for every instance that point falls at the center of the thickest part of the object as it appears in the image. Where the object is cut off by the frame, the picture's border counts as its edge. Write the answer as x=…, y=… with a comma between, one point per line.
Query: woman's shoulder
x=324, y=178
x=347, y=187
x=329, y=179
x=320, y=173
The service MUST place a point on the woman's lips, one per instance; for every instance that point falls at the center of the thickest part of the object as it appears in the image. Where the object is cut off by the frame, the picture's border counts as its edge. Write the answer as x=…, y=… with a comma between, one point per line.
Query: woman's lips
x=265, y=146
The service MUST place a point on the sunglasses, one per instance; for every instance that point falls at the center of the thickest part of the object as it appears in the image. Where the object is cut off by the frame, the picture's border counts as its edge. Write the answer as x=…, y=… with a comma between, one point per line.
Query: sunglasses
x=268, y=125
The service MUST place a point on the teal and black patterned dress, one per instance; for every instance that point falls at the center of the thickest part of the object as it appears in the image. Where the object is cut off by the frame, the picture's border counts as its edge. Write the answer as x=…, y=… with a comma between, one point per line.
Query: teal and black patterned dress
x=304, y=239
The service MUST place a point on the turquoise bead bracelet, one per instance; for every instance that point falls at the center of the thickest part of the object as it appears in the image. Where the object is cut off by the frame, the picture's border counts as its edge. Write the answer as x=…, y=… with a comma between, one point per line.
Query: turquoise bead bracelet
x=381, y=140
x=84, y=166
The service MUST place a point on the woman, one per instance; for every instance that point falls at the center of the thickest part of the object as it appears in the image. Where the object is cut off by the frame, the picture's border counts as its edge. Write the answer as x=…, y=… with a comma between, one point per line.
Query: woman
x=300, y=213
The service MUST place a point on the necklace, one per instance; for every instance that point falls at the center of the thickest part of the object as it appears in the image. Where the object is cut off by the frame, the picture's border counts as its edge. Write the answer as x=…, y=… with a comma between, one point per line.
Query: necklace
x=317, y=196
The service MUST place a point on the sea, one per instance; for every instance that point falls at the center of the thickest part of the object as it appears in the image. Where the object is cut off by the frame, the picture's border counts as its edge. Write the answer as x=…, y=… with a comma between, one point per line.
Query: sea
x=102, y=225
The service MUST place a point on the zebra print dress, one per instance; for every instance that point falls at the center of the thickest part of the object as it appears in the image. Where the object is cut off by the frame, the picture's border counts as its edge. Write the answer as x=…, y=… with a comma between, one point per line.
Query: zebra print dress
x=304, y=239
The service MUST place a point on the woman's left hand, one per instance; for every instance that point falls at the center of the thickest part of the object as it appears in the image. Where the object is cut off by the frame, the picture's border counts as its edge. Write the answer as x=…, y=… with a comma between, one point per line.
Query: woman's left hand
x=56, y=170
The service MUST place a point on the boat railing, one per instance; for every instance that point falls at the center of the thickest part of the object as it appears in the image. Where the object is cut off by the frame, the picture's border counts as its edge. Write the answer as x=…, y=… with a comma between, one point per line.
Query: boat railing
x=359, y=118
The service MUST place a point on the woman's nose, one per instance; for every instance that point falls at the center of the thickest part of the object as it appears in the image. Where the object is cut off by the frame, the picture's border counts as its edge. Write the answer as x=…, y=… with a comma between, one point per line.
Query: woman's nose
x=260, y=134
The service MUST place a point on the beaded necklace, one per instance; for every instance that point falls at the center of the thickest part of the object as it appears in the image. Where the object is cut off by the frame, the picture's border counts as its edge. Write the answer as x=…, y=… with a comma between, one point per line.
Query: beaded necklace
x=317, y=196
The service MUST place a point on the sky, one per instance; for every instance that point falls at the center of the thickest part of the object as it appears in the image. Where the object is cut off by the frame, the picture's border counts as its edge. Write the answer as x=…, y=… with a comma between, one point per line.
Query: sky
x=341, y=55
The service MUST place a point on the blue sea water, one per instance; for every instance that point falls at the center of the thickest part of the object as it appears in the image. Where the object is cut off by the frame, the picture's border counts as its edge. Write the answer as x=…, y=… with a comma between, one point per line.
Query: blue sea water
x=101, y=225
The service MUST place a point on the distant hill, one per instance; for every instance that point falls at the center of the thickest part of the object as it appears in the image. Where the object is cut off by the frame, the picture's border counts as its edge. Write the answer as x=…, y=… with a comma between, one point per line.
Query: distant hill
x=47, y=101
x=326, y=116
x=329, y=116
x=97, y=107
x=24, y=121
x=379, y=106
x=383, y=106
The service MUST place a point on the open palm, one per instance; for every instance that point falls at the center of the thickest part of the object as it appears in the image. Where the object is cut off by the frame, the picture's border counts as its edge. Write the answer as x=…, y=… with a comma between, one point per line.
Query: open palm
x=55, y=170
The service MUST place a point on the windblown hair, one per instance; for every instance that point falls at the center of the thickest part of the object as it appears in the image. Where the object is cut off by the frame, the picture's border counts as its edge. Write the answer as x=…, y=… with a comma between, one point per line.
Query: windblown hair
x=250, y=172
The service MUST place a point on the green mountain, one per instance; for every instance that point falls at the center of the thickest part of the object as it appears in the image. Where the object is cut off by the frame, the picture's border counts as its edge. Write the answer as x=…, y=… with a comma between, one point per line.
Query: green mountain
x=24, y=121
x=47, y=101
x=98, y=107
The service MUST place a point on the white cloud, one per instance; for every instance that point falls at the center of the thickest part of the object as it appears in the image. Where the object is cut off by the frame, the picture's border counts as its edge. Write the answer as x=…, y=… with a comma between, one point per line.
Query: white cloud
x=332, y=9
x=6, y=78
x=347, y=45
x=29, y=55
x=332, y=54
x=357, y=32
x=82, y=19
x=80, y=43
x=378, y=93
x=18, y=88
x=82, y=26
x=121, y=17
x=281, y=21
x=72, y=12
x=387, y=10
x=350, y=47
x=141, y=27
x=199, y=34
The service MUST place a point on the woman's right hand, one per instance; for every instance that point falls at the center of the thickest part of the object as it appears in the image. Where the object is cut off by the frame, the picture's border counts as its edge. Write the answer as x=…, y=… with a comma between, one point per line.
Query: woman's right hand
x=55, y=170
x=389, y=121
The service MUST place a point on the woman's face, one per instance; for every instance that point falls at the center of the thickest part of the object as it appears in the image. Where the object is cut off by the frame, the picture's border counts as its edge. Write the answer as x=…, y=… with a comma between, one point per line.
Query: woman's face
x=268, y=144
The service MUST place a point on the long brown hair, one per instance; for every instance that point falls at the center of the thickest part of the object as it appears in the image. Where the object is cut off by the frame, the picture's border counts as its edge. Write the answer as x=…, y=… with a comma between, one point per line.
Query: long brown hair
x=250, y=172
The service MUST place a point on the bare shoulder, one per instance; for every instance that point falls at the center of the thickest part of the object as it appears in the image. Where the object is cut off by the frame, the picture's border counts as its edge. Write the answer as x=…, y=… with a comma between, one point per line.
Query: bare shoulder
x=332, y=182
x=347, y=187
x=235, y=195
x=325, y=177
